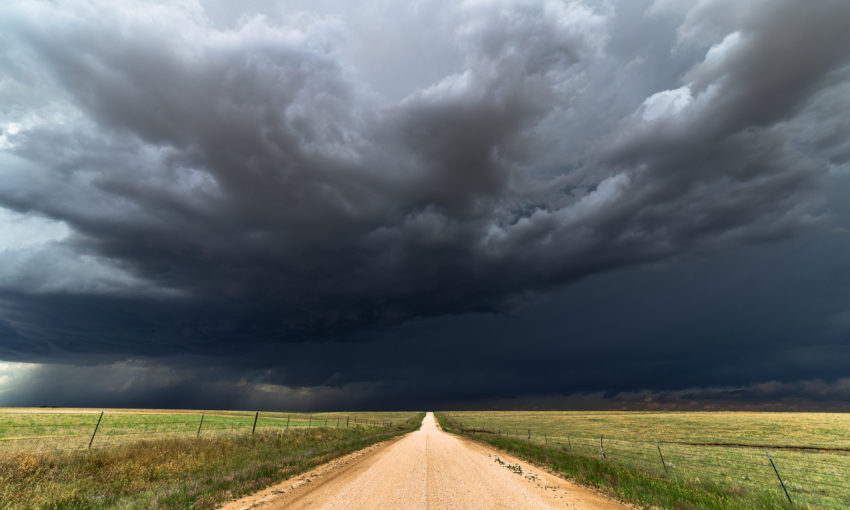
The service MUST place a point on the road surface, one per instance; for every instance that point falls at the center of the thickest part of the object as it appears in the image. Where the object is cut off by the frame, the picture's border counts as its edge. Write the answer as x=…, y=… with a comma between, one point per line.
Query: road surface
x=426, y=469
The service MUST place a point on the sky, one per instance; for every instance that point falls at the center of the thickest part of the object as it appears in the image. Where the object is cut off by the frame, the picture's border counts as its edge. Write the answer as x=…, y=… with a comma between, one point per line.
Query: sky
x=329, y=205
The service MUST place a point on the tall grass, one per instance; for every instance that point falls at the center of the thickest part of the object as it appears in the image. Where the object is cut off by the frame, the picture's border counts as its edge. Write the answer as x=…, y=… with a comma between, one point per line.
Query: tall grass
x=626, y=482
x=811, y=451
x=175, y=473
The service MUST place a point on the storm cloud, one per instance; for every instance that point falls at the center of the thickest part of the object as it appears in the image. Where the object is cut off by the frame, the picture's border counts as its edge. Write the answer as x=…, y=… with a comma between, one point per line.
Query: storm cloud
x=291, y=192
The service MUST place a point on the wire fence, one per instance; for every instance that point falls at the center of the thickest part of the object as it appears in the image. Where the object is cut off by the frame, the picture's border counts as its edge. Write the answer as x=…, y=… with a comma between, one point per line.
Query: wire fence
x=59, y=431
x=807, y=476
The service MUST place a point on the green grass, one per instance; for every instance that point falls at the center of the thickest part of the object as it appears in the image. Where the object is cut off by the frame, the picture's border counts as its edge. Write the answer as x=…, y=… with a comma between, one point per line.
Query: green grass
x=179, y=472
x=700, y=461
x=50, y=429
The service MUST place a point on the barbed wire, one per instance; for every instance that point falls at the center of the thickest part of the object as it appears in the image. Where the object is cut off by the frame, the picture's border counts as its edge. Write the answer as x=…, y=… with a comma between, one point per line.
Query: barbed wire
x=821, y=478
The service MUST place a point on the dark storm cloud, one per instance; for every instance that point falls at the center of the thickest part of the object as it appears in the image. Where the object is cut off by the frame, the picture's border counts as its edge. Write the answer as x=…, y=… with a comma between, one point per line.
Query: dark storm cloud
x=233, y=185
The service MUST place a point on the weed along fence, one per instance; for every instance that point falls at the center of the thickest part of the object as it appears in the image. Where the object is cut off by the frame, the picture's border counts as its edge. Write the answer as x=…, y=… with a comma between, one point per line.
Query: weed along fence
x=804, y=476
x=35, y=430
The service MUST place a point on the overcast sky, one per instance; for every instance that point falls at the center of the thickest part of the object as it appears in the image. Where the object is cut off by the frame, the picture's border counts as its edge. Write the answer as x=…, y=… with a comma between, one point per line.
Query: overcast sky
x=327, y=204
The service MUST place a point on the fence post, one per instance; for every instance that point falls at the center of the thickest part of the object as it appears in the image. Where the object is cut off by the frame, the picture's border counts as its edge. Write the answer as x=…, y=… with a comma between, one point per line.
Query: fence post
x=255, y=423
x=569, y=443
x=95, y=429
x=287, y=422
x=545, y=439
x=662, y=457
x=200, y=424
x=500, y=431
x=310, y=422
x=346, y=421
x=529, y=434
x=337, y=422
x=601, y=448
x=777, y=476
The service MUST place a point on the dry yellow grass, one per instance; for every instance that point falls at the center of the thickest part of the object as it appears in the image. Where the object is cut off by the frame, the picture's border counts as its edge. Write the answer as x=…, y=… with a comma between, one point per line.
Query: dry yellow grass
x=175, y=473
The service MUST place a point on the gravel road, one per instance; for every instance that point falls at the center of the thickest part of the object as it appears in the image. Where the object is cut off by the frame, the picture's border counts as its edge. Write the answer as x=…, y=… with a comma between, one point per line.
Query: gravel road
x=426, y=469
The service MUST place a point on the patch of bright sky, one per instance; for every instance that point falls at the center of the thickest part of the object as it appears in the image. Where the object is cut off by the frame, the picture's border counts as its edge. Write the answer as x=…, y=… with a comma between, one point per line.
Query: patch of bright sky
x=34, y=259
x=6, y=132
x=18, y=231
x=667, y=102
x=10, y=371
x=719, y=51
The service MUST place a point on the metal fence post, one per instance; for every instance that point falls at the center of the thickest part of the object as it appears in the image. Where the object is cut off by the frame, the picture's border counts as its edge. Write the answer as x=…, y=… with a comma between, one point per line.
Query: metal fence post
x=200, y=424
x=662, y=457
x=255, y=423
x=95, y=429
x=779, y=477
x=601, y=448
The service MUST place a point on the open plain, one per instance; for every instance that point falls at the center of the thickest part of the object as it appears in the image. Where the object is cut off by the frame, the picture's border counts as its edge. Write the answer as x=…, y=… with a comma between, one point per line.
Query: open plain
x=427, y=469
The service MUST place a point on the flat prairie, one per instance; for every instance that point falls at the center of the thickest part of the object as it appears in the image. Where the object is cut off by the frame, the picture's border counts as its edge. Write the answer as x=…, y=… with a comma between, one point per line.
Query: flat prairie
x=44, y=429
x=142, y=458
x=740, y=452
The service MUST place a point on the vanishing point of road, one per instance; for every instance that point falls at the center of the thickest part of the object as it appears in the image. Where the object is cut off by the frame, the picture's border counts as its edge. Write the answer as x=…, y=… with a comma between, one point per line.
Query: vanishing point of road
x=426, y=469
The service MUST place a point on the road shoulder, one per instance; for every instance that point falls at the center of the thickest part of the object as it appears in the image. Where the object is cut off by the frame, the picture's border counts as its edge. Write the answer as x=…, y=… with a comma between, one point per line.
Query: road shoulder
x=313, y=479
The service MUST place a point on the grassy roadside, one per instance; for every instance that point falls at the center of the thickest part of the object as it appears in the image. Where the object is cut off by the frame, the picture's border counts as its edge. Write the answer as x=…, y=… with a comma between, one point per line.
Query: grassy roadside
x=175, y=473
x=629, y=484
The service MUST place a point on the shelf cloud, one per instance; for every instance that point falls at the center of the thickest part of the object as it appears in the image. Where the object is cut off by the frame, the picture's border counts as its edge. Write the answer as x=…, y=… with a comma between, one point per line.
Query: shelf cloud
x=201, y=181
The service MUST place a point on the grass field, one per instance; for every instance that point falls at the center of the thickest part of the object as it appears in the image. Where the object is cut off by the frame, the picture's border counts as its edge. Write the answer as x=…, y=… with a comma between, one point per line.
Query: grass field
x=45, y=429
x=154, y=459
x=725, y=452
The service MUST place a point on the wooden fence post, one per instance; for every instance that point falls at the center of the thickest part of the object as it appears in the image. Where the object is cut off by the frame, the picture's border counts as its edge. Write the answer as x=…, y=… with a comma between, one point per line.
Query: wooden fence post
x=95, y=429
x=777, y=476
x=569, y=443
x=200, y=424
x=346, y=421
x=287, y=422
x=529, y=434
x=255, y=423
x=310, y=422
x=602, y=449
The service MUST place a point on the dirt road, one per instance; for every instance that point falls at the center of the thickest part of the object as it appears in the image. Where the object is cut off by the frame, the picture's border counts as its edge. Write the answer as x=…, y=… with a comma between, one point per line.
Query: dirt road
x=427, y=469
